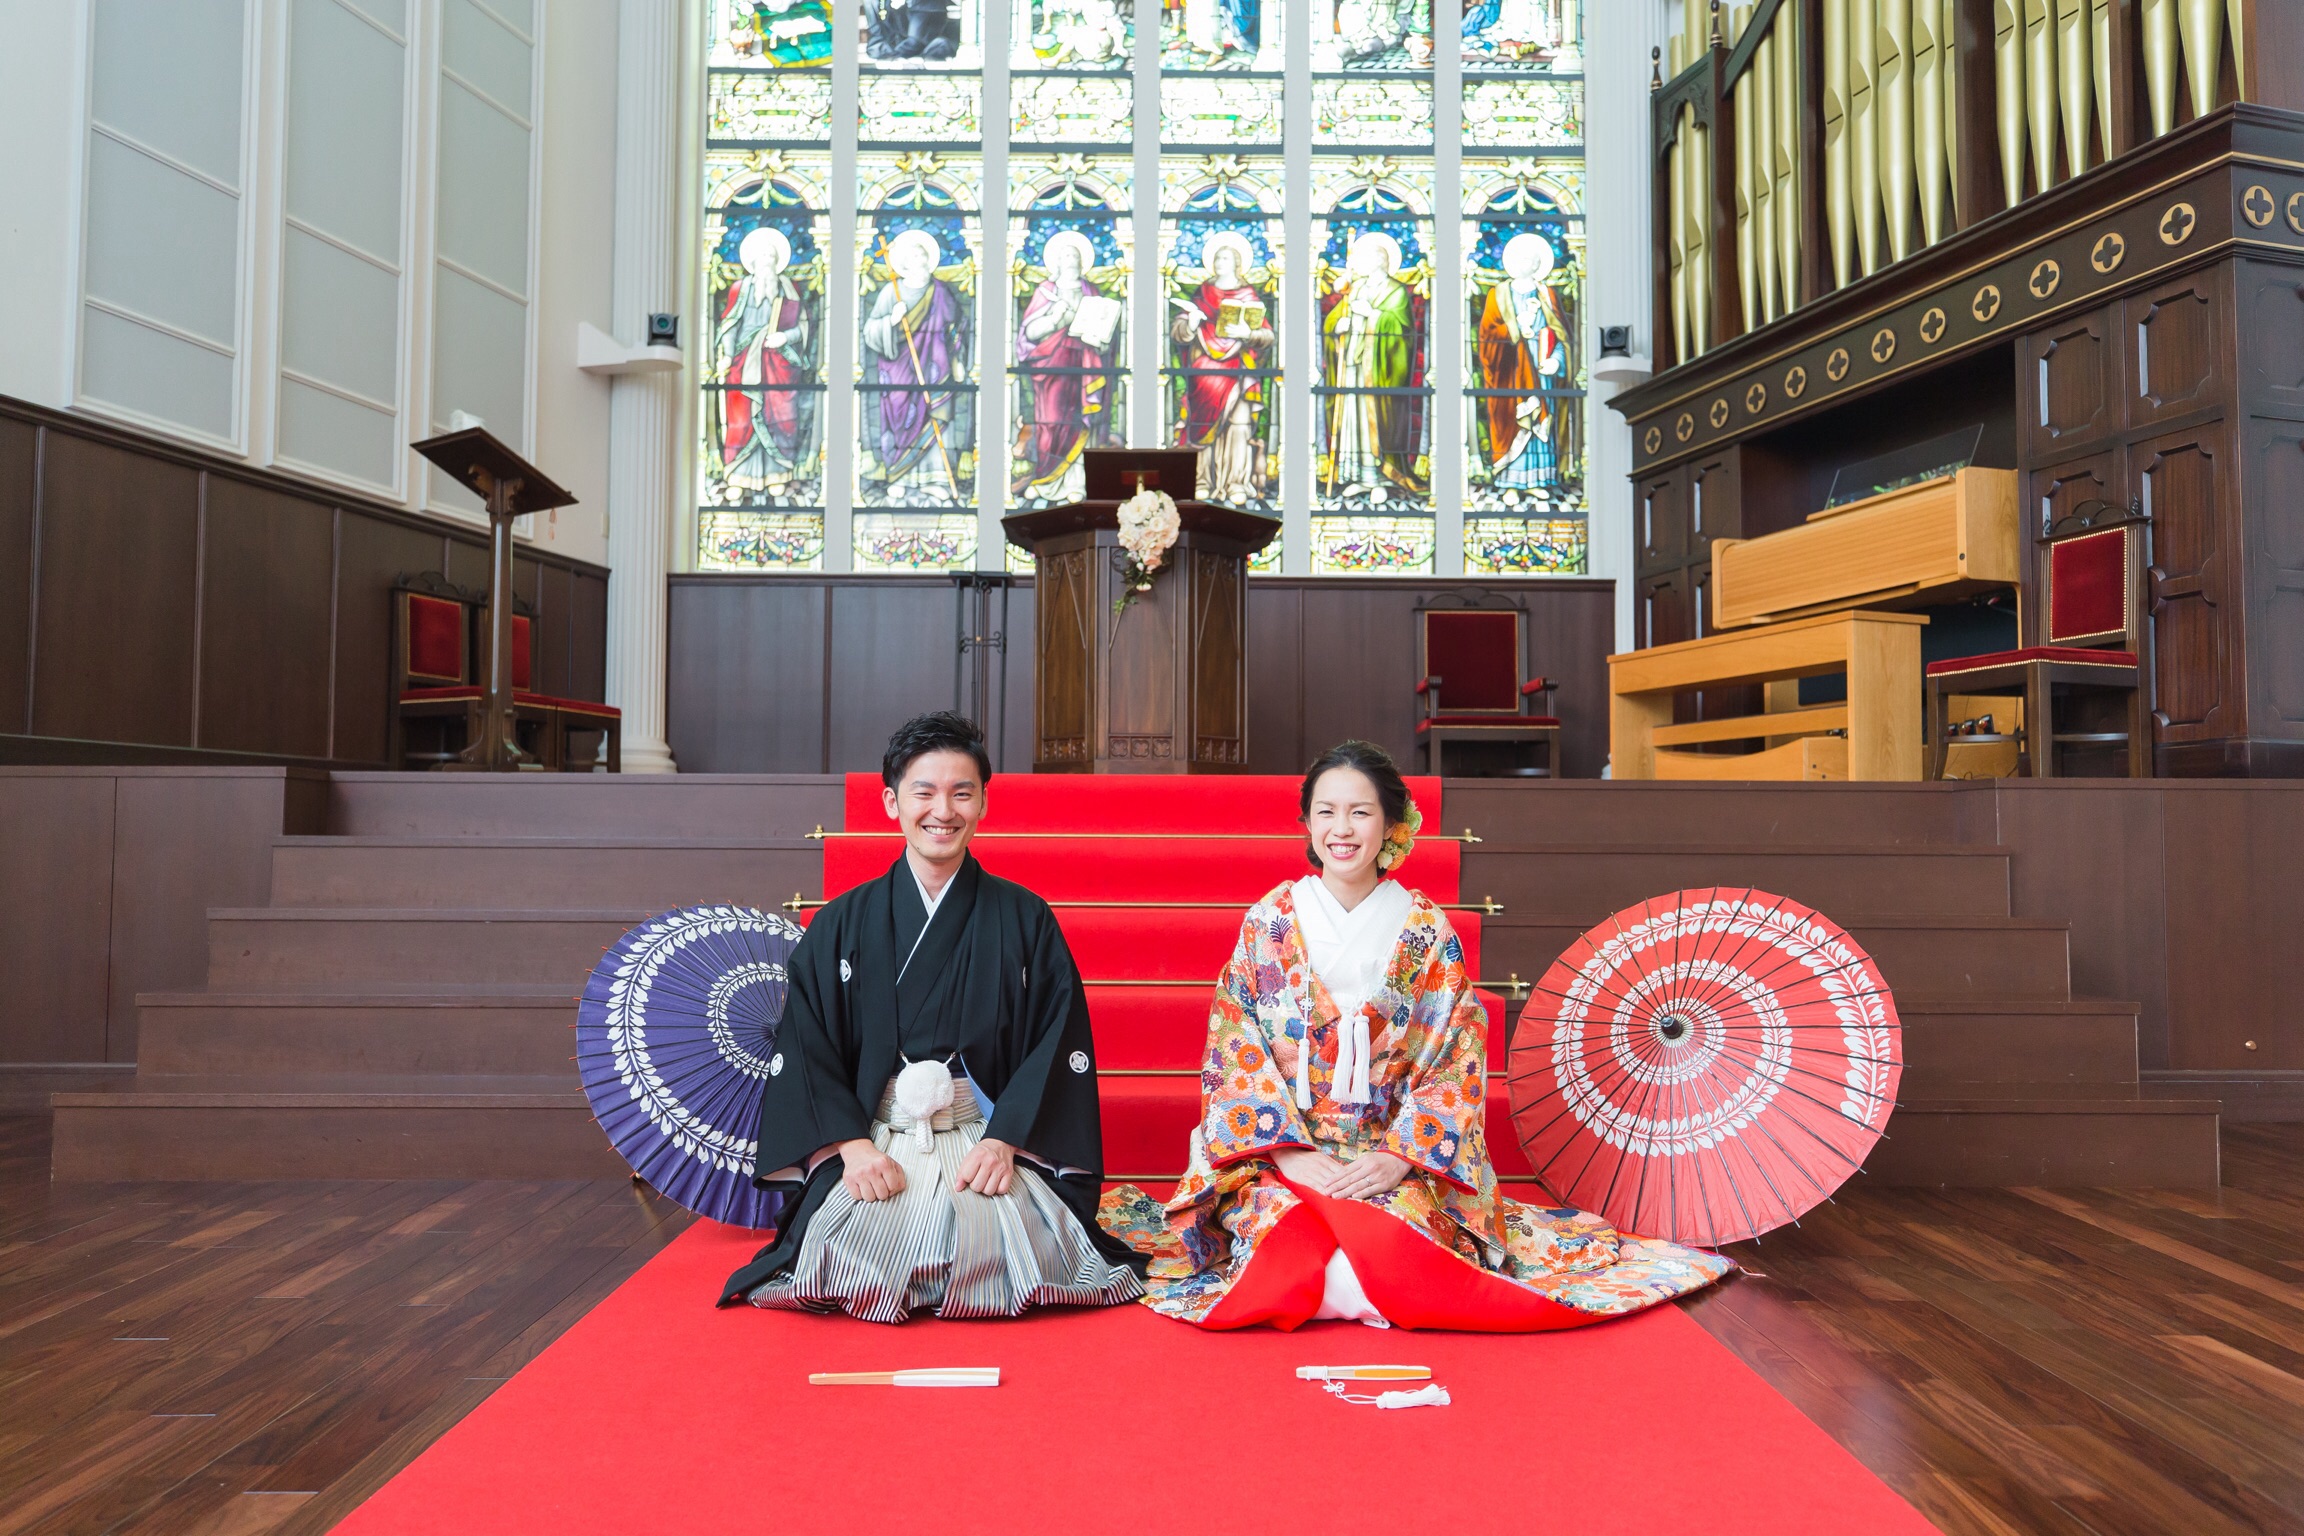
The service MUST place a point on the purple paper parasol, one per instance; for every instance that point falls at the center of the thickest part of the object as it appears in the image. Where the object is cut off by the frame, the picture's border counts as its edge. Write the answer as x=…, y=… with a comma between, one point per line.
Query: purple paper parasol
x=674, y=1038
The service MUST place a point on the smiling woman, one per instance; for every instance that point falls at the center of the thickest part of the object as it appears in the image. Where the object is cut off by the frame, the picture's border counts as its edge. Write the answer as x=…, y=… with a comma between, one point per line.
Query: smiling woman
x=1340, y=1168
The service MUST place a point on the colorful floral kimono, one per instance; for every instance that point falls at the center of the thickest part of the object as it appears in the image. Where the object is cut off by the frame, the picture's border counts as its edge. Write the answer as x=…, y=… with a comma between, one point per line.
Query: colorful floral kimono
x=1240, y=1244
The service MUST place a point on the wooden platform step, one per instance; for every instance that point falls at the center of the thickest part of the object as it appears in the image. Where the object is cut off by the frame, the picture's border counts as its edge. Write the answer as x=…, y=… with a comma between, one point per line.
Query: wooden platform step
x=1848, y=883
x=542, y=872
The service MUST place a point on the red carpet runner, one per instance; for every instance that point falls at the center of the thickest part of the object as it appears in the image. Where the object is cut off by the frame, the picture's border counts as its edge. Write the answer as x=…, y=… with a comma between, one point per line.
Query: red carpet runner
x=658, y=1413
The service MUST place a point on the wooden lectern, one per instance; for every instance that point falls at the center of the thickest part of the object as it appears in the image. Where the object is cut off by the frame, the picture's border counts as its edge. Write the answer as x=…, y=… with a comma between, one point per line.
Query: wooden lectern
x=1162, y=686
x=511, y=487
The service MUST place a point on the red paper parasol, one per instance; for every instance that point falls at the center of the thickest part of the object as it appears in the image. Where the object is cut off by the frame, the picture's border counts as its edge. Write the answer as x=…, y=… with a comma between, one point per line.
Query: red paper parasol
x=1705, y=1066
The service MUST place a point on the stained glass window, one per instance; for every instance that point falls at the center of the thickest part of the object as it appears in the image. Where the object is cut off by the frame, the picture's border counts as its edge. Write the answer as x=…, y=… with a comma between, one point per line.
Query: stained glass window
x=1522, y=324
x=1072, y=34
x=1036, y=288
x=1220, y=267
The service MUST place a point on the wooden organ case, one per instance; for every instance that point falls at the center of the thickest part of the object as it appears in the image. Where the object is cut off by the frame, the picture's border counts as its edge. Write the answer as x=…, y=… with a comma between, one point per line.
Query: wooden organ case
x=2078, y=227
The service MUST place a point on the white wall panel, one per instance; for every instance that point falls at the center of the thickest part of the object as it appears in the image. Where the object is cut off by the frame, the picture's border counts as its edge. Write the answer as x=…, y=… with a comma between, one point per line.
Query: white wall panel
x=479, y=354
x=168, y=73
x=483, y=195
x=162, y=226
x=347, y=437
x=136, y=368
x=486, y=54
x=342, y=289
x=339, y=319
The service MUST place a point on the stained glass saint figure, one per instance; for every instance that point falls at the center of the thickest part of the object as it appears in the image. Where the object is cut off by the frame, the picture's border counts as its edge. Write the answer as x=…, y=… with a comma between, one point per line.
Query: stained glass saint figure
x=926, y=30
x=1079, y=34
x=1222, y=28
x=763, y=348
x=1224, y=335
x=1372, y=341
x=1519, y=32
x=915, y=346
x=1521, y=346
x=1065, y=338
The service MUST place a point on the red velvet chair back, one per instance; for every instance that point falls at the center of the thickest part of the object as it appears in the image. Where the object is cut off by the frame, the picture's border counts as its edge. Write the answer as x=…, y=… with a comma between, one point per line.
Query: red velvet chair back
x=1475, y=652
x=436, y=636
x=2090, y=576
x=523, y=647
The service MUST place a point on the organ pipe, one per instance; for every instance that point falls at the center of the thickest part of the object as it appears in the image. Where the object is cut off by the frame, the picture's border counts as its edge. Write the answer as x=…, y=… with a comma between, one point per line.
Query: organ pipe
x=2100, y=54
x=1747, y=183
x=1892, y=102
x=2159, y=31
x=1948, y=76
x=2008, y=92
x=1676, y=219
x=2200, y=23
x=2040, y=89
x=1839, y=197
x=1864, y=130
x=2075, y=80
x=1929, y=119
x=1787, y=43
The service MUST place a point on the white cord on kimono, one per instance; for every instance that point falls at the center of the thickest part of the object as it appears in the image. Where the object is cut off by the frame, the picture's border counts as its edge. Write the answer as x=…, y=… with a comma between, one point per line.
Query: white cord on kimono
x=1430, y=1395
x=1352, y=1051
x=1304, y=1069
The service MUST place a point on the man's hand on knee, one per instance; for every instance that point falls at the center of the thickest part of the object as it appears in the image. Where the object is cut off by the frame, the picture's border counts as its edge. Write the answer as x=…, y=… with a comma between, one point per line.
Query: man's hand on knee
x=868, y=1172
x=989, y=1168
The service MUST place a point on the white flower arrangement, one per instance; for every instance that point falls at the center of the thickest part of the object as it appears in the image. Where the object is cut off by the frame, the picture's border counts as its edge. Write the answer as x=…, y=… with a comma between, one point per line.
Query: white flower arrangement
x=1148, y=529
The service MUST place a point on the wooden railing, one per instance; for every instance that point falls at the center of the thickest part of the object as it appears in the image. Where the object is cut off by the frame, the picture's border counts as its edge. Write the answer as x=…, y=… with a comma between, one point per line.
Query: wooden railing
x=1791, y=159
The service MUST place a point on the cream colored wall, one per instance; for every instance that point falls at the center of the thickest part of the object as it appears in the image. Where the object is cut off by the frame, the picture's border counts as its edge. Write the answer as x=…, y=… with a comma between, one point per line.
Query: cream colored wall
x=46, y=296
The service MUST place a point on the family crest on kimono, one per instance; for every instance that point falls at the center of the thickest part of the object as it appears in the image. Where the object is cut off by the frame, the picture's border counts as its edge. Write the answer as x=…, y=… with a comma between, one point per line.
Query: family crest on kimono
x=931, y=1101
x=1340, y=1168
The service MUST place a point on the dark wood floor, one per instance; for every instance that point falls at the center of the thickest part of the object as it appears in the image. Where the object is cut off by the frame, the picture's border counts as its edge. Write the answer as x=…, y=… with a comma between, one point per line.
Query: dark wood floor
x=231, y=1359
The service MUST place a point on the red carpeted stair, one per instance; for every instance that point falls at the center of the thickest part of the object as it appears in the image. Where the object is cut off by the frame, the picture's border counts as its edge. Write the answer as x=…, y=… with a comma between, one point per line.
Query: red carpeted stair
x=1149, y=878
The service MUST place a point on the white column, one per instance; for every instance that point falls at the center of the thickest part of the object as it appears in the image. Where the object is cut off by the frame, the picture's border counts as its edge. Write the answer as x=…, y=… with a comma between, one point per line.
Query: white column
x=643, y=408
x=1617, y=187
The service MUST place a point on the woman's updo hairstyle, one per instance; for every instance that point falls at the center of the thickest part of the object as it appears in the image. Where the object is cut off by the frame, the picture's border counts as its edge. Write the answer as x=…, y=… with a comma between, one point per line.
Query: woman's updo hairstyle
x=1373, y=763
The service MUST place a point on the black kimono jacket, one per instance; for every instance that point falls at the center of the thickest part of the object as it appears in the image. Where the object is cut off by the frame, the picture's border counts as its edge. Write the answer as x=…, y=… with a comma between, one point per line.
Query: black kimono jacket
x=990, y=982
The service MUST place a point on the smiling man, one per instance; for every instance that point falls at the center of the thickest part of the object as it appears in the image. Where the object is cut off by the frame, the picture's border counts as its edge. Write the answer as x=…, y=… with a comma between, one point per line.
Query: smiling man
x=931, y=1103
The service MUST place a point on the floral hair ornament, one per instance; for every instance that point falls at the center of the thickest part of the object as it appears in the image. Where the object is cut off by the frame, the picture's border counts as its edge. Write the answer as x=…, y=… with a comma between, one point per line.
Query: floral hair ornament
x=1401, y=840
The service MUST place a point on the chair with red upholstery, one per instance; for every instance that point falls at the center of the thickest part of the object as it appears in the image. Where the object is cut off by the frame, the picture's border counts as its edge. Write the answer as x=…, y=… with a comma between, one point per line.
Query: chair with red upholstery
x=435, y=682
x=569, y=717
x=1472, y=686
x=2090, y=618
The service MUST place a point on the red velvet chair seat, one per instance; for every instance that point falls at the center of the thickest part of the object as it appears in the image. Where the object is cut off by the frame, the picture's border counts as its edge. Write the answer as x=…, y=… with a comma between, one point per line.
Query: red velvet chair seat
x=2056, y=655
x=1453, y=722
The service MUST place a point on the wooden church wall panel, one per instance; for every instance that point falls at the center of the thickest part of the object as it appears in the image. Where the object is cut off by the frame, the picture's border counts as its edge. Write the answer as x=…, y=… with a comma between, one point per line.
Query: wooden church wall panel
x=1360, y=665
x=588, y=637
x=467, y=564
x=2273, y=464
x=56, y=902
x=19, y=456
x=1219, y=646
x=2069, y=390
x=115, y=640
x=375, y=553
x=2195, y=652
x=746, y=685
x=891, y=653
x=554, y=595
x=1275, y=668
x=2179, y=347
x=1063, y=706
x=2271, y=318
x=267, y=563
x=2235, y=883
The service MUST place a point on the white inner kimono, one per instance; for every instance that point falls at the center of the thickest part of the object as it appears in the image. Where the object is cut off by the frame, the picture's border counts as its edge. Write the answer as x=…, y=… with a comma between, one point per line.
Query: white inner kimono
x=1349, y=952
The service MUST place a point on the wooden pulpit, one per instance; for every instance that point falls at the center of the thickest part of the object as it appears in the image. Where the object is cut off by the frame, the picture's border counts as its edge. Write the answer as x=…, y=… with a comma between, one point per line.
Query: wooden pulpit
x=1161, y=685
x=511, y=487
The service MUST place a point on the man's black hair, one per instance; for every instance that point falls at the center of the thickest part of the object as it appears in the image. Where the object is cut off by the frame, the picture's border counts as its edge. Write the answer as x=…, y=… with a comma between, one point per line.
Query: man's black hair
x=940, y=731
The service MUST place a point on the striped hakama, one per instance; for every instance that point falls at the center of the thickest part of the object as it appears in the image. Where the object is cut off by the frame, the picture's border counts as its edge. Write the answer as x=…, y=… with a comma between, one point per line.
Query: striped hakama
x=932, y=1248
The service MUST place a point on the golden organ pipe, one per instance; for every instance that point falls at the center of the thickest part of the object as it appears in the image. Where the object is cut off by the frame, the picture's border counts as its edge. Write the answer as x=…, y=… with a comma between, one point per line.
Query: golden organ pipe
x=2160, y=62
x=1948, y=76
x=1892, y=102
x=1929, y=58
x=1864, y=128
x=2100, y=55
x=1676, y=215
x=2074, y=80
x=2040, y=88
x=2201, y=24
x=1788, y=44
x=2232, y=9
x=1839, y=203
x=1747, y=268
x=2008, y=92
x=1760, y=85
x=1699, y=214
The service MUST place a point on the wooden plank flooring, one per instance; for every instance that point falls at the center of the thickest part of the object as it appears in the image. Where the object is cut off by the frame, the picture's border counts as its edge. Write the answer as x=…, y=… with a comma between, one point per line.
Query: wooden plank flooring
x=230, y=1359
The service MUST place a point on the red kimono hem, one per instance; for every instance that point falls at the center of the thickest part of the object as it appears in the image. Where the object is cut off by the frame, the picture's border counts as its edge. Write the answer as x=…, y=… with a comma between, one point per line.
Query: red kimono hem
x=1411, y=1279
